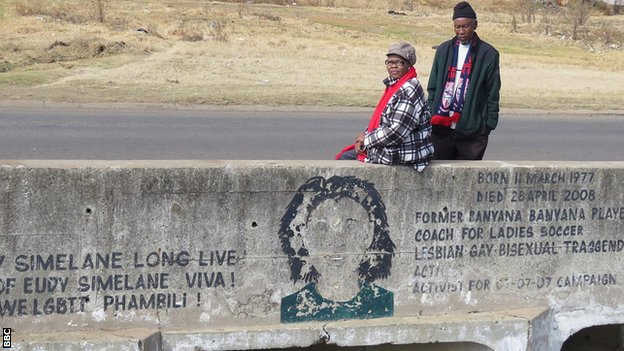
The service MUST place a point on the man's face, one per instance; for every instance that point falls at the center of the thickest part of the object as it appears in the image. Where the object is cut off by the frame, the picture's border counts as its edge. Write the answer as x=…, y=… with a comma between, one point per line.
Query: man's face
x=397, y=66
x=465, y=29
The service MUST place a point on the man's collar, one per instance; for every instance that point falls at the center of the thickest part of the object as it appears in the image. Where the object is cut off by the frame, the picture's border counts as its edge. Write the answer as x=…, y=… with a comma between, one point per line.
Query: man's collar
x=473, y=41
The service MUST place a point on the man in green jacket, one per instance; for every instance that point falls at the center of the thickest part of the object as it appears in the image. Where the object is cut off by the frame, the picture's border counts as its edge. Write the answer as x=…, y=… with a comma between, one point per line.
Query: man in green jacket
x=463, y=91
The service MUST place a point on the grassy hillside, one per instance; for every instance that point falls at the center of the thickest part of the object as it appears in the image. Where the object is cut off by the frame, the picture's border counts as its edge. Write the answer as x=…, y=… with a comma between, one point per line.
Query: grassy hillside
x=241, y=53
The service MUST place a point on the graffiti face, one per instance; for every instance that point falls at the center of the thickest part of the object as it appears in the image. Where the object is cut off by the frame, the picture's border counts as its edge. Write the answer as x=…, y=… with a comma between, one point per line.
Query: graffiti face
x=336, y=235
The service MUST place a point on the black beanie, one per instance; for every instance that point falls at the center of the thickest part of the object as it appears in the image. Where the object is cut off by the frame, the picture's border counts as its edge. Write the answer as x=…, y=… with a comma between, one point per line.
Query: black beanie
x=464, y=10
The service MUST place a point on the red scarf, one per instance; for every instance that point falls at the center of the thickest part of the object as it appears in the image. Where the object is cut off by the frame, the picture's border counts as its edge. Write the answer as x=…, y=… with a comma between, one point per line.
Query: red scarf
x=383, y=102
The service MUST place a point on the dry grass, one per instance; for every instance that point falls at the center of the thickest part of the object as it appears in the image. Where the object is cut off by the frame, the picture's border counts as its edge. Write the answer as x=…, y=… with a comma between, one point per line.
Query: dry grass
x=241, y=53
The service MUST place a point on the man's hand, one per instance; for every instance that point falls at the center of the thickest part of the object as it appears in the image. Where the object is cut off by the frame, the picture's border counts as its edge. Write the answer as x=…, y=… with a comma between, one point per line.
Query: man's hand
x=359, y=144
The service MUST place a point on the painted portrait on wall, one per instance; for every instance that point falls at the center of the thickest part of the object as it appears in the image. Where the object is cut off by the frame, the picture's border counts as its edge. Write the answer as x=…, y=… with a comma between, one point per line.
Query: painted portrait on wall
x=336, y=236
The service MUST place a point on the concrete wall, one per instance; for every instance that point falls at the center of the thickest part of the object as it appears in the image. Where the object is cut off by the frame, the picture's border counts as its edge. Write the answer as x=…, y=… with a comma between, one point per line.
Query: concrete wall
x=199, y=255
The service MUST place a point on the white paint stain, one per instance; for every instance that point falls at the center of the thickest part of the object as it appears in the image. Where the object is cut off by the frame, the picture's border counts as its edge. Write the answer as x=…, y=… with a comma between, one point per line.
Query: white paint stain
x=98, y=315
x=204, y=317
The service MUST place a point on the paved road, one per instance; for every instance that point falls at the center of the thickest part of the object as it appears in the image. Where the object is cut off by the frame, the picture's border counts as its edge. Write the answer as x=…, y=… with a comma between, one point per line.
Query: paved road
x=167, y=133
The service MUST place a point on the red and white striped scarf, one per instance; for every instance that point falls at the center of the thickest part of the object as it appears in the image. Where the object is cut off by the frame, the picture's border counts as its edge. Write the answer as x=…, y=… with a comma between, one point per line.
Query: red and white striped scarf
x=452, y=102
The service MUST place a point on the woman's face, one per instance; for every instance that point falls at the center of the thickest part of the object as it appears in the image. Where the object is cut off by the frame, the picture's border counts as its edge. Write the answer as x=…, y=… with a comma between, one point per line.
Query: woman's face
x=397, y=66
x=337, y=235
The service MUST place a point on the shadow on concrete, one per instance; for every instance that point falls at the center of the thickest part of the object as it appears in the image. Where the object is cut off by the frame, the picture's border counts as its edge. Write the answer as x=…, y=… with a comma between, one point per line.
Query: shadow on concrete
x=597, y=338
x=463, y=346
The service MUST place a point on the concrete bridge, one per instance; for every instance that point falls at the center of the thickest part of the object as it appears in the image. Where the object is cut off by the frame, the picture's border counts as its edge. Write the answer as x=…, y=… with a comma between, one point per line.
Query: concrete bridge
x=225, y=255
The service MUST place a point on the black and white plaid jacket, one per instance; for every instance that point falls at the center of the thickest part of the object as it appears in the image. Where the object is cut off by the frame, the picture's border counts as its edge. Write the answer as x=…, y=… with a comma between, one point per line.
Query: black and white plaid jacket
x=404, y=133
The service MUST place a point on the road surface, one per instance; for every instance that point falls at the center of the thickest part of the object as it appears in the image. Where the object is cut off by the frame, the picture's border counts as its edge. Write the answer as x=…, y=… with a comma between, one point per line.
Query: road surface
x=244, y=134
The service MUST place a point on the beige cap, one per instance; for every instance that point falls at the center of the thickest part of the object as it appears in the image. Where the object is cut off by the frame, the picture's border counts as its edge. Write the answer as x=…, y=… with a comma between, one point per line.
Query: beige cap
x=405, y=50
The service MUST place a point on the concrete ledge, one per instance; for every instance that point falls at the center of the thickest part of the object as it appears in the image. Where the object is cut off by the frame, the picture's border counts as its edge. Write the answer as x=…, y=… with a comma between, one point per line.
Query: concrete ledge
x=276, y=254
x=479, y=328
x=132, y=339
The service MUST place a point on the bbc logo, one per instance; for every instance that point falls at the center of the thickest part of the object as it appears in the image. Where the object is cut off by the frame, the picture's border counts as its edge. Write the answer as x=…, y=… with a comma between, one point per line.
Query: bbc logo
x=6, y=338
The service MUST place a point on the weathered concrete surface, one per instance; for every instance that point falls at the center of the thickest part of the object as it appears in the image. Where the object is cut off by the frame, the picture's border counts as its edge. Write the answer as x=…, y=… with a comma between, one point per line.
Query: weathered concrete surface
x=223, y=255
x=504, y=330
x=130, y=340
